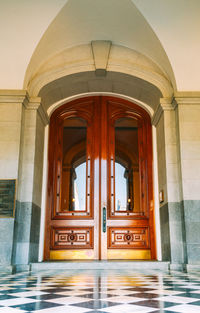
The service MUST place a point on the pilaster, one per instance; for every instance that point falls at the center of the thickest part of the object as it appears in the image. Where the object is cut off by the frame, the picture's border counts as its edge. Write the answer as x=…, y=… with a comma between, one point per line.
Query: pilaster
x=28, y=206
x=171, y=215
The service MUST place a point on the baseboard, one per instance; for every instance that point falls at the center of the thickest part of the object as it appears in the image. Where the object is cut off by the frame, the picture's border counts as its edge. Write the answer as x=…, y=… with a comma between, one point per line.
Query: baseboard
x=20, y=268
x=6, y=269
x=177, y=267
x=193, y=267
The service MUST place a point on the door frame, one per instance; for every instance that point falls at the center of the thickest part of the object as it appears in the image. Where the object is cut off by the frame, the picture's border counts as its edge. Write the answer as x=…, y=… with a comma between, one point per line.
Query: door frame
x=142, y=111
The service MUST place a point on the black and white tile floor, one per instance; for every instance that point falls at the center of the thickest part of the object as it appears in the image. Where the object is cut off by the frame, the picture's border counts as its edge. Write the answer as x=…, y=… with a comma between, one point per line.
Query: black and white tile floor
x=100, y=291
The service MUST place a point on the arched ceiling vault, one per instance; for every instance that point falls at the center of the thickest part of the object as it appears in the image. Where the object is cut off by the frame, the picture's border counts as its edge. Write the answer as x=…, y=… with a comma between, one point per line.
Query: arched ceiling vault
x=165, y=32
x=80, y=22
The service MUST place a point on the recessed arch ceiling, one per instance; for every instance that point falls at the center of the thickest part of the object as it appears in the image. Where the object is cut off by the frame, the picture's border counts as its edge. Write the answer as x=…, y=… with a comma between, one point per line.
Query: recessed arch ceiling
x=171, y=31
x=81, y=58
x=88, y=83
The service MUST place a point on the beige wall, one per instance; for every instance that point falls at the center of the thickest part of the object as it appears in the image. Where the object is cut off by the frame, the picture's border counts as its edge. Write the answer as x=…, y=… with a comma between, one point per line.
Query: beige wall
x=189, y=131
x=27, y=152
x=10, y=130
x=172, y=156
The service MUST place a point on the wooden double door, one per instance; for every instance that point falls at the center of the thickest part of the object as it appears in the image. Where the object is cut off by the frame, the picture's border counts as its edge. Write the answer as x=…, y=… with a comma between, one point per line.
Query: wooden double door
x=100, y=197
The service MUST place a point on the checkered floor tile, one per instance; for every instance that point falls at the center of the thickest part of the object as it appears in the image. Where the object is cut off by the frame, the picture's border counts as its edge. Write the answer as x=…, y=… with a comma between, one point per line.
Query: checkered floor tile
x=99, y=291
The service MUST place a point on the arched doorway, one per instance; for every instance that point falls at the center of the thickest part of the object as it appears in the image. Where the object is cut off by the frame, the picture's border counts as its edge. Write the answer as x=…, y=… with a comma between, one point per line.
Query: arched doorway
x=100, y=191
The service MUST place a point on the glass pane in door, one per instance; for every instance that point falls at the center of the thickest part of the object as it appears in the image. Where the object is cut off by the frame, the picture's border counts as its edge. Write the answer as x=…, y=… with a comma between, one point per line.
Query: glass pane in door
x=74, y=165
x=79, y=187
x=127, y=178
x=120, y=187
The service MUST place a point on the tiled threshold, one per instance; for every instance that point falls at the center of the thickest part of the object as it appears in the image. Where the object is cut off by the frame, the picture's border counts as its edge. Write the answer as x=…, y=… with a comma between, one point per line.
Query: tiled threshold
x=100, y=265
x=118, y=265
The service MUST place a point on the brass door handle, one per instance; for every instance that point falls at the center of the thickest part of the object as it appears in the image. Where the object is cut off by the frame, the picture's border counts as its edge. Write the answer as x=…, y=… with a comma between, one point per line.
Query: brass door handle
x=104, y=220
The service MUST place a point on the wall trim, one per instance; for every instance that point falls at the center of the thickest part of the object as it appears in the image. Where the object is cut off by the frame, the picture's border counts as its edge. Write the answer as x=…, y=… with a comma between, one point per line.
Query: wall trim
x=188, y=100
x=13, y=96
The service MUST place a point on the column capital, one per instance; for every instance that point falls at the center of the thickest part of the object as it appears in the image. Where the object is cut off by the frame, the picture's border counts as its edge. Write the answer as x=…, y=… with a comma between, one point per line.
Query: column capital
x=34, y=103
x=166, y=104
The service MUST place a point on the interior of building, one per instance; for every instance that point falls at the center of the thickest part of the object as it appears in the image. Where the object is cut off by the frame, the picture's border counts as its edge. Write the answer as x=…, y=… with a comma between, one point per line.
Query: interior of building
x=100, y=133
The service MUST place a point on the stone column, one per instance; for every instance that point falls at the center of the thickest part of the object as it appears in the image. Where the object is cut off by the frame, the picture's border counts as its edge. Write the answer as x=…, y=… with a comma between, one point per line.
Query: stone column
x=189, y=136
x=171, y=213
x=28, y=206
x=11, y=103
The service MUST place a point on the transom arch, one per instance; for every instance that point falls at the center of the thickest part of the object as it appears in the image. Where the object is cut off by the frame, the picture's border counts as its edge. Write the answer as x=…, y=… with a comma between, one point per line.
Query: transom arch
x=54, y=106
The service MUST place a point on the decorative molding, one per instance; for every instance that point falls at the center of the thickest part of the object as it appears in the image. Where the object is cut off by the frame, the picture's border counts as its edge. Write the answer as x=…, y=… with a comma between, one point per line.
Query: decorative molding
x=187, y=100
x=187, y=94
x=128, y=237
x=167, y=104
x=13, y=96
x=22, y=97
x=101, y=51
x=187, y=97
x=72, y=238
x=32, y=103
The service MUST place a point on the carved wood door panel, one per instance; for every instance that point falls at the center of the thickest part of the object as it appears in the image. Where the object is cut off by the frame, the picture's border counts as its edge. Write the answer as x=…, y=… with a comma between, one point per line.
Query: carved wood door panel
x=100, y=197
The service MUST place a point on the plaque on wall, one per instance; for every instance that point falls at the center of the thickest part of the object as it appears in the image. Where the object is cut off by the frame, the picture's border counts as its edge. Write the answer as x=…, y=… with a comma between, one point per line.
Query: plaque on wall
x=7, y=197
